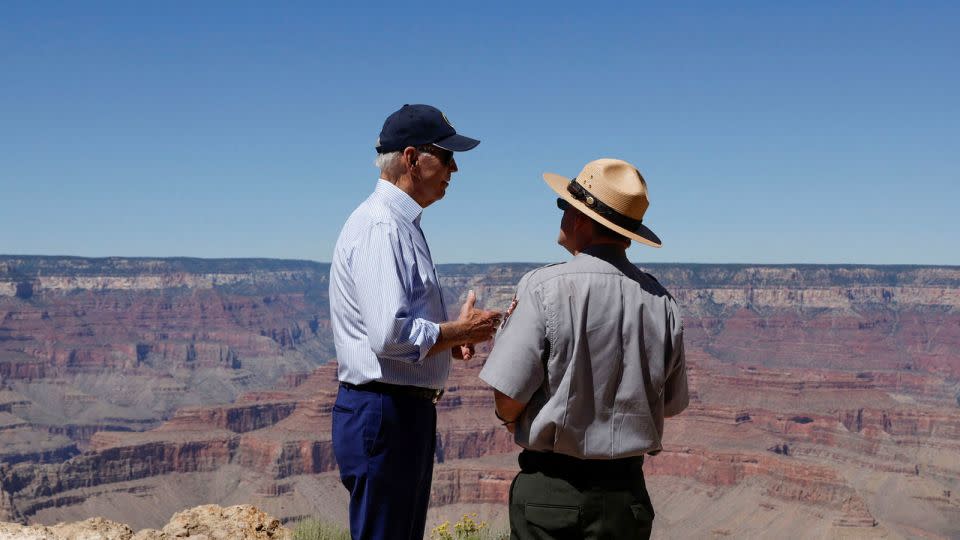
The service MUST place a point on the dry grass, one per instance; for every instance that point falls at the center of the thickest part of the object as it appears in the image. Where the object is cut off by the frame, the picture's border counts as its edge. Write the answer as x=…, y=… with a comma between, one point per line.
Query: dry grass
x=313, y=529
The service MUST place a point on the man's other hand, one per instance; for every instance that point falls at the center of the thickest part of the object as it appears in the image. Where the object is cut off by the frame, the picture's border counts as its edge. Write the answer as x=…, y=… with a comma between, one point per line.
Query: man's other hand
x=464, y=352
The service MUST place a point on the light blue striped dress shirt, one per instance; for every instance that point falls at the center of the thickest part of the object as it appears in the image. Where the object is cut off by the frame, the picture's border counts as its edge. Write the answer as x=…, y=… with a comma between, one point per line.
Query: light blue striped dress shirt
x=385, y=299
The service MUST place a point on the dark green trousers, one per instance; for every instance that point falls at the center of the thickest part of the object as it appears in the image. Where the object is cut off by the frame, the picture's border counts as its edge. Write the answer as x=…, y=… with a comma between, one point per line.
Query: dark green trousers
x=560, y=497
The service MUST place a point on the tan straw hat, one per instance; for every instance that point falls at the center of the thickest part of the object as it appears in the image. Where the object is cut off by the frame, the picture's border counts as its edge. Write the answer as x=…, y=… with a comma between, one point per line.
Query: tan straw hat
x=611, y=192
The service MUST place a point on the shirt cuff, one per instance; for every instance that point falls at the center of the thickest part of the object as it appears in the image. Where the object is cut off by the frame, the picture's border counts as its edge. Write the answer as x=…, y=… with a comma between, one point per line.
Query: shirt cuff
x=428, y=334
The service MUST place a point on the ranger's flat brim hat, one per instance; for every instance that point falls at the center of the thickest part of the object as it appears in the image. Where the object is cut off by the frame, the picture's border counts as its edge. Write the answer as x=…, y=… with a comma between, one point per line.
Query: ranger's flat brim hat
x=611, y=192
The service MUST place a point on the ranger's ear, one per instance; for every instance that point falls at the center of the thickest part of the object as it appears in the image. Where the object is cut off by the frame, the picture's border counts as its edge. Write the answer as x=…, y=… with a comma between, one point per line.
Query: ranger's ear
x=581, y=220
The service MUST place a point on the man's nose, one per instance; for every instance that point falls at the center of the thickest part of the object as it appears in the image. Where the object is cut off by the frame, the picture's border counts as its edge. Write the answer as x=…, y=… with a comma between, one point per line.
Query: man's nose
x=453, y=165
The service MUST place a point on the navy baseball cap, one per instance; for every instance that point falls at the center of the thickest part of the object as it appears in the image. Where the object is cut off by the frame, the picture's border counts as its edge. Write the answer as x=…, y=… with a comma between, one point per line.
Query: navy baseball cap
x=414, y=125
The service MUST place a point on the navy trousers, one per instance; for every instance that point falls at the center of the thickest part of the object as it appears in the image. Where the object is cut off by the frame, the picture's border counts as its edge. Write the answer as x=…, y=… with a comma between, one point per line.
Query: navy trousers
x=384, y=445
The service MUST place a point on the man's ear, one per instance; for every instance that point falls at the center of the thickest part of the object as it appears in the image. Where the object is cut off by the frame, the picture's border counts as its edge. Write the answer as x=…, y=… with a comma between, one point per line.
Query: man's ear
x=410, y=155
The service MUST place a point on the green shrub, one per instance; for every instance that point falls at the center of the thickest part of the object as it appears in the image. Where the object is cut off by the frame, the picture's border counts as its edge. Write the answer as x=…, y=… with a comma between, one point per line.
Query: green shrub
x=467, y=528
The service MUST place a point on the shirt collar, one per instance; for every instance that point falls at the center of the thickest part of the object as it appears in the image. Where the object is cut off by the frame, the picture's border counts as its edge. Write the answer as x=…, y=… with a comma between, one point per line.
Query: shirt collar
x=399, y=200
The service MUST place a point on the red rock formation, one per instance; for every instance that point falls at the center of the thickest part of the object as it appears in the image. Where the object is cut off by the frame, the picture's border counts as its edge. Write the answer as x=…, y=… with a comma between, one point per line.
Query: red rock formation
x=786, y=478
x=471, y=484
x=812, y=385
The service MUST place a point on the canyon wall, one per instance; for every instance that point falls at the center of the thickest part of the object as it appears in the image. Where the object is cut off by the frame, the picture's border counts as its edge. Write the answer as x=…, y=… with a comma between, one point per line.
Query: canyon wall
x=824, y=398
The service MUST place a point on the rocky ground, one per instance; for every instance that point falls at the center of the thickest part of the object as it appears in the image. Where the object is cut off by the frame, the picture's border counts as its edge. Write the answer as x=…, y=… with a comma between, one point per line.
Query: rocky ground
x=208, y=522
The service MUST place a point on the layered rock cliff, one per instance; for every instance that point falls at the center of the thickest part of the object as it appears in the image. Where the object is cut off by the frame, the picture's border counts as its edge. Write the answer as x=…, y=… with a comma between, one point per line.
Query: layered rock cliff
x=815, y=389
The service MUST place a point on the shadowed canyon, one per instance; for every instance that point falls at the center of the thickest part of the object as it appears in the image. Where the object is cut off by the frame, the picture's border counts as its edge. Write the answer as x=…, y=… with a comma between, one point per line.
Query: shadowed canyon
x=825, y=399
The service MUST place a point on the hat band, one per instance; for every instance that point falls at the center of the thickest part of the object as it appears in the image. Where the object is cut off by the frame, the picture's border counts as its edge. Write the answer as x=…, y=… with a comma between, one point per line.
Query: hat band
x=581, y=194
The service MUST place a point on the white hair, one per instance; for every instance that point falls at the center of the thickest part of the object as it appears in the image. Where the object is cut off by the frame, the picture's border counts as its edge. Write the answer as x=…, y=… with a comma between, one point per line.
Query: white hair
x=388, y=163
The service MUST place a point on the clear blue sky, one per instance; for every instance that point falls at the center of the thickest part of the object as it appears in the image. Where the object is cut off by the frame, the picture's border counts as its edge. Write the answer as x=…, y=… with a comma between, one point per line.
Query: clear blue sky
x=797, y=133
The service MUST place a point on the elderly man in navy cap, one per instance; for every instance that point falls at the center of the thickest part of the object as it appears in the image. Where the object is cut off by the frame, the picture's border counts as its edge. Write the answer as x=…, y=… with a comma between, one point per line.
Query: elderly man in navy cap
x=394, y=343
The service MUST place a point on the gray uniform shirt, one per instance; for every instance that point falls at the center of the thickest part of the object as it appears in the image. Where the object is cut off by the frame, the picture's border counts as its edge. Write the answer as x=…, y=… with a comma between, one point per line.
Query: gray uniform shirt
x=595, y=349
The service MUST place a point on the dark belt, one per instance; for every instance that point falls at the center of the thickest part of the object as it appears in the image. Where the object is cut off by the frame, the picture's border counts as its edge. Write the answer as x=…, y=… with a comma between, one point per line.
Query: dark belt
x=396, y=390
x=593, y=470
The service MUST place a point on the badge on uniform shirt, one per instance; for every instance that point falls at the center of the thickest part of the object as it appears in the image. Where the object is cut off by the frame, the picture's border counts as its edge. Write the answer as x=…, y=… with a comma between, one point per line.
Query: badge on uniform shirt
x=506, y=316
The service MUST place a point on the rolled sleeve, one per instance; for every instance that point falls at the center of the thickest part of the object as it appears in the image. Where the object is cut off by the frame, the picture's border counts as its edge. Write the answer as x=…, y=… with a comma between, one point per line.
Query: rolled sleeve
x=427, y=335
x=515, y=365
x=382, y=276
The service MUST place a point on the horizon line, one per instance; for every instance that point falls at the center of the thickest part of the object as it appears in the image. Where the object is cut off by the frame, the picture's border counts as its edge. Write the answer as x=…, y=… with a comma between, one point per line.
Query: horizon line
x=695, y=263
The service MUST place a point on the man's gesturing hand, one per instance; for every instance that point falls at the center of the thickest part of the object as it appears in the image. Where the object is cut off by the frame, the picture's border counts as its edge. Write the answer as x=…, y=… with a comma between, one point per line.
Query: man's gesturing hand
x=479, y=324
x=472, y=326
